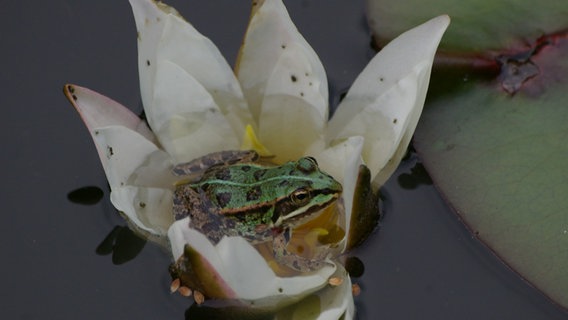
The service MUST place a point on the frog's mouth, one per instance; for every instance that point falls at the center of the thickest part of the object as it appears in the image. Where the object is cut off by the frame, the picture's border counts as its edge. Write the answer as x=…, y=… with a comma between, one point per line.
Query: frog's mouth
x=286, y=213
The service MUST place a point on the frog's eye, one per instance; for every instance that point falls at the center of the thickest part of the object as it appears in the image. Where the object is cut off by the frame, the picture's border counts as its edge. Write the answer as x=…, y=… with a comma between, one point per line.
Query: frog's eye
x=307, y=164
x=313, y=160
x=300, y=196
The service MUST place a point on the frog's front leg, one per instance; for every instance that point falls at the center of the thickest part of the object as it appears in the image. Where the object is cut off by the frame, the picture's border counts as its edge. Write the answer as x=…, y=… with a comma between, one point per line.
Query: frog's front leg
x=292, y=260
x=203, y=215
x=214, y=159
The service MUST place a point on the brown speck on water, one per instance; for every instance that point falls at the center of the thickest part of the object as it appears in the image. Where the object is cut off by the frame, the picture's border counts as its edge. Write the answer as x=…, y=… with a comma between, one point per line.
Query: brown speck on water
x=394, y=120
x=148, y=62
x=294, y=79
x=283, y=46
x=355, y=289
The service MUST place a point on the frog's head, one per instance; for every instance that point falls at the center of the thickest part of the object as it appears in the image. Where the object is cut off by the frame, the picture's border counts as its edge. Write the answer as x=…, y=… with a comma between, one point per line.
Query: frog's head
x=308, y=190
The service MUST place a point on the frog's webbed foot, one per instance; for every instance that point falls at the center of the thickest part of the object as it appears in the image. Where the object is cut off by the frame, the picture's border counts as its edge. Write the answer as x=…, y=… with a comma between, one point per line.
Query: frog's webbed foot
x=199, y=165
x=294, y=261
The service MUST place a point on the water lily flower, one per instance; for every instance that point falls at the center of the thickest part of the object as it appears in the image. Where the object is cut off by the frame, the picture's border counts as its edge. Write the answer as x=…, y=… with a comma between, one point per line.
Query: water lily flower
x=276, y=102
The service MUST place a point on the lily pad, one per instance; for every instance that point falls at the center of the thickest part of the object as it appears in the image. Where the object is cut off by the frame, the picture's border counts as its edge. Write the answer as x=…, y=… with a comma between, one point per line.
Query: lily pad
x=494, y=139
x=476, y=25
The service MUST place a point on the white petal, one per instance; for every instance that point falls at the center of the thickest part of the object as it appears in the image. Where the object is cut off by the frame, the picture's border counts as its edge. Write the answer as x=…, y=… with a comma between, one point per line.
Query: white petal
x=274, y=45
x=188, y=122
x=164, y=35
x=199, y=57
x=342, y=162
x=149, y=209
x=243, y=268
x=122, y=151
x=150, y=21
x=337, y=302
x=385, y=102
x=332, y=302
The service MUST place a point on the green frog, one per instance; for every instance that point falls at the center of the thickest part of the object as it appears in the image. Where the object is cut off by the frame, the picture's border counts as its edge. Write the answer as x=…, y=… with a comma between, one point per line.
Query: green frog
x=230, y=193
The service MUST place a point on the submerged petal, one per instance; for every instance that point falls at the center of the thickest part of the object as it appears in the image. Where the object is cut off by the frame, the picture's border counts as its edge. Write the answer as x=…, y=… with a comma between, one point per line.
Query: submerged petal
x=386, y=100
x=164, y=35
x=283, y=79
x=243, y=270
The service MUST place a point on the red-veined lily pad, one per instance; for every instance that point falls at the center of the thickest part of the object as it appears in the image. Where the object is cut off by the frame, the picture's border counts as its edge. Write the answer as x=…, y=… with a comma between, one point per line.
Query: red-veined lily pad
x=476, y=25
x=496, y=145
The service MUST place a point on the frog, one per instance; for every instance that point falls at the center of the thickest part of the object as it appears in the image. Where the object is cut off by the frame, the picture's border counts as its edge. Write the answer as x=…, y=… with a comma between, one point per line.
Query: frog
x=233, y=193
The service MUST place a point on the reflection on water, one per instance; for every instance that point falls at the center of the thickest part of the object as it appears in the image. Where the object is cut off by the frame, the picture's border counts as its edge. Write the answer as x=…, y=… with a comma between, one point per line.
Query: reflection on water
x=122, y=243
x=417, y=175
x=88, y=195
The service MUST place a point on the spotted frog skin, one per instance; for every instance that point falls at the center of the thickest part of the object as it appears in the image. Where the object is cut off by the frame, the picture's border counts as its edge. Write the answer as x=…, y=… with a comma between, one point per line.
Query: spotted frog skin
x=231, y=194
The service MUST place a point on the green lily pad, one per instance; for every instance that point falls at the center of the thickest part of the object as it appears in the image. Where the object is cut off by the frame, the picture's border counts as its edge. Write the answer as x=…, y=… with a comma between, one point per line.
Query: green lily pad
x=476, y=25
x=494, y=139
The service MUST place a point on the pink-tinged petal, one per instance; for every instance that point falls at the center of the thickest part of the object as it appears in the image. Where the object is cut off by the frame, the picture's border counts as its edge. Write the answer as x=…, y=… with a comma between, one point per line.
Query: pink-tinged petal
x=386, y=100
x=164, y=35
x=188, y=123
x=122, y=139
x=147, y=209
x=276, y=60
x=98, y=111
x=243, y=270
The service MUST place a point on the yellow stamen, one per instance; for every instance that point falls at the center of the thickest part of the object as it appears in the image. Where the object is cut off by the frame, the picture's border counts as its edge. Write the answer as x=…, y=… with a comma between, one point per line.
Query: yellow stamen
x=251, y=142
x=311, y=238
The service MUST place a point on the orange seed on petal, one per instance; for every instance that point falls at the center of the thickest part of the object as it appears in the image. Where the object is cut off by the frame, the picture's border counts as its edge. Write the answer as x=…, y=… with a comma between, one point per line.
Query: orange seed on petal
x=335, y=281
x=198, y=297
x=175, y=285
x=184, y=291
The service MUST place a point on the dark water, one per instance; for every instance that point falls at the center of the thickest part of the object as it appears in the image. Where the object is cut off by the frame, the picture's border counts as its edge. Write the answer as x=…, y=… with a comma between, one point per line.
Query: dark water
x=58, y=260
